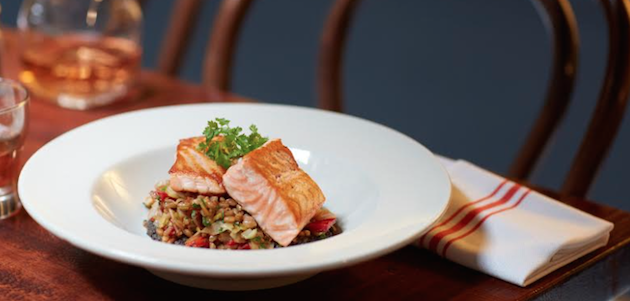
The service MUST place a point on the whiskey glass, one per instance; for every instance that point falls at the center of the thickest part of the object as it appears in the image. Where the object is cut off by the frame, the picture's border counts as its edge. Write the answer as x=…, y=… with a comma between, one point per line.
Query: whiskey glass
x=79, y=54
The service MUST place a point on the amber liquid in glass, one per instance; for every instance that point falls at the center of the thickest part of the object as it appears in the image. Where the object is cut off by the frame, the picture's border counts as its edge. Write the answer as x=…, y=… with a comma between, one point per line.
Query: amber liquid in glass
x=80, y=71
x=9, y=163
x=9, y=149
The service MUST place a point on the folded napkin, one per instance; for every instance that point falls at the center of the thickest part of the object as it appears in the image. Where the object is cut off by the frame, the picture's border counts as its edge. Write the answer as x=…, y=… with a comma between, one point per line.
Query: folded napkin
x=509, y=231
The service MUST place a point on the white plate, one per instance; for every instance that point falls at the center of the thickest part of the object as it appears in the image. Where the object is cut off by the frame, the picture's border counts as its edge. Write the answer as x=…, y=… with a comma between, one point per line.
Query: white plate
x=87, y=187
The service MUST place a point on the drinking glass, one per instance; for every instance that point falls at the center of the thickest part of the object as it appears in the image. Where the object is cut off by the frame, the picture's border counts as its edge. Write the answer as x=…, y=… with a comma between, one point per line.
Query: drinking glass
x=13, y=122
x=80, y=54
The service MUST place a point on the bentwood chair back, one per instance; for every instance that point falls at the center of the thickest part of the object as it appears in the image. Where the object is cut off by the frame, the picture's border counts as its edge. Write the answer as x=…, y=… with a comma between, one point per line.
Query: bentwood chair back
x=558, y=15
x=221, y=46
x=177, y=37
x=611, y=105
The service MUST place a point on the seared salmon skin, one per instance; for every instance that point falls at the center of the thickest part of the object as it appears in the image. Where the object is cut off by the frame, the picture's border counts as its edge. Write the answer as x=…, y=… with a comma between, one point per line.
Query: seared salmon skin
x=269, y=184
x=193, y=171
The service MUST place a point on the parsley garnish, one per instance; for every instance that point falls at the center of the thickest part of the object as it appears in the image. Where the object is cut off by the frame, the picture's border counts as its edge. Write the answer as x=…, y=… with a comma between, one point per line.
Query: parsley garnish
x=205, y=221
x=232, y=144
x=196, y=206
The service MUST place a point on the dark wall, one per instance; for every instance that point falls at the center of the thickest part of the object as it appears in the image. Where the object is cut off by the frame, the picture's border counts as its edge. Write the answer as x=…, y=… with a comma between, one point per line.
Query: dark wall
x=465, y=78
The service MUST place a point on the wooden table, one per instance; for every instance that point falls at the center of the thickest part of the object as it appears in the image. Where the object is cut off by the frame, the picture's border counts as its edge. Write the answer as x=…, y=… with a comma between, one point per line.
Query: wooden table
x=35, y=265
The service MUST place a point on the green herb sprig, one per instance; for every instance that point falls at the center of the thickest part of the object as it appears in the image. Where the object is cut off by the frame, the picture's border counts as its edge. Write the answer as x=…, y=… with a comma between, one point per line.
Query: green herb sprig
x=233, y=143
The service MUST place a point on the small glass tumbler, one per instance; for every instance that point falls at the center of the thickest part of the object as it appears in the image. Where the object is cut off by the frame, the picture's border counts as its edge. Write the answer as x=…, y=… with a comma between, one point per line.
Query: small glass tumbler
x=80, y=54
x=14, y=101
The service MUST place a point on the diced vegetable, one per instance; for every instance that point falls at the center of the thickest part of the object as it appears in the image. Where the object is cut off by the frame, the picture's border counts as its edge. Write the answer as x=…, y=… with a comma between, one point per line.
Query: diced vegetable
x=216, y=228
x=161, y=195
x=154, y=209
x=198, y=241
x=172, y=193
x=218, y=216
x=227, y=227
x=148, y=202
x=320, y=226
x=249, y=233
x=240, y=246
x=164, y=219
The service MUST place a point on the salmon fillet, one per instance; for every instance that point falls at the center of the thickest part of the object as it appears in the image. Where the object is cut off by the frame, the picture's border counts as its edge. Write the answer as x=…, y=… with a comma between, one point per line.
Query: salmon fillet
x=193, y=171
x=269, y=184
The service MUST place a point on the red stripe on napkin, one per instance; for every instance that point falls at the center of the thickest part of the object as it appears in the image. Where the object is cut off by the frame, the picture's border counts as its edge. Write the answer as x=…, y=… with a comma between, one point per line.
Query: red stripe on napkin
x=435, y=240
x=421, y=241
x=448, y=244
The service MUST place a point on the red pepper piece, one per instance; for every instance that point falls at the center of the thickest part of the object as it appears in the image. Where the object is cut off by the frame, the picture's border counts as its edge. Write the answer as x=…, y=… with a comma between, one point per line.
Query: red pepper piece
x=321, y=226
x=198, y=242
x=162, y=195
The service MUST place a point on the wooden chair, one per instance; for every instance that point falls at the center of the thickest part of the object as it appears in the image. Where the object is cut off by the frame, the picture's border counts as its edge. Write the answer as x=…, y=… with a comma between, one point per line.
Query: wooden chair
x=601, y=132
x=177, y=36
x=611, y=105
x=221, y=45
x=603, y=274
x=605, y=120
